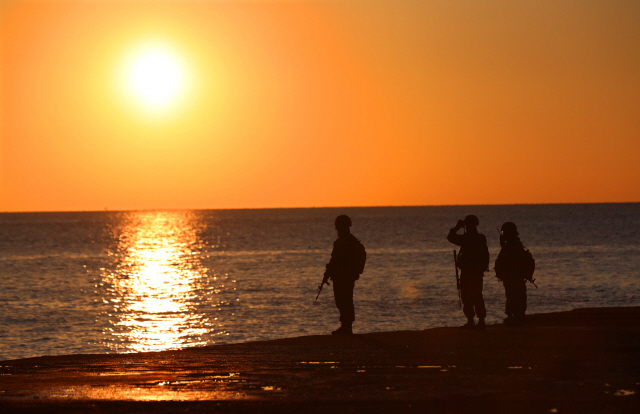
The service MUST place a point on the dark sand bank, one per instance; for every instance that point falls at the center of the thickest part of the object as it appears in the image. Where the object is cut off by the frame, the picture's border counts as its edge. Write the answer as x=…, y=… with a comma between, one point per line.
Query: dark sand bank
x=584, y=361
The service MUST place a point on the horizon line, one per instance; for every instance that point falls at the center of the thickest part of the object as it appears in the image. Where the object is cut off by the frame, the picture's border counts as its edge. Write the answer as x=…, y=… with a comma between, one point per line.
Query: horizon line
x=106, y=209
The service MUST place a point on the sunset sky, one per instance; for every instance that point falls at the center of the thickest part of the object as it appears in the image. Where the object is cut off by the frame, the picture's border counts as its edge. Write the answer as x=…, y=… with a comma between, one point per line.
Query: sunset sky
x=234, y=104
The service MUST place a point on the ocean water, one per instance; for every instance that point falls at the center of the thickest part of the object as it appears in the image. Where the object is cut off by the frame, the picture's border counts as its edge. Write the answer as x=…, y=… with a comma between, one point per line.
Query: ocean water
x=111, y=282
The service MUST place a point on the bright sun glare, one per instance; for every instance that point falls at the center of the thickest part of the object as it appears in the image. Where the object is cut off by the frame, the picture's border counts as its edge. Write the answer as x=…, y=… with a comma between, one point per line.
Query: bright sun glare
x=154, y=76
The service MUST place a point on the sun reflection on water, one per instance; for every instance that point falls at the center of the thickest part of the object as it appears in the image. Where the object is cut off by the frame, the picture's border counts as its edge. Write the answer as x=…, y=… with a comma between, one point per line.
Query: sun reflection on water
x=157, y=284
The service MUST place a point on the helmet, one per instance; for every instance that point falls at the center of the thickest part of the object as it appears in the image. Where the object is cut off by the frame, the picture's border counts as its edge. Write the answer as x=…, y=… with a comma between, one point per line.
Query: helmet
x=471, y=220
x=509, y=229
x=343, y=221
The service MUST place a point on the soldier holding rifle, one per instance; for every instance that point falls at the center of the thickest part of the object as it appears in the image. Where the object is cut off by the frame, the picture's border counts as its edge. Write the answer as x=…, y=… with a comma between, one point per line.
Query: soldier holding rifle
x=514, y=267
x=344, y=268
x=473, y=261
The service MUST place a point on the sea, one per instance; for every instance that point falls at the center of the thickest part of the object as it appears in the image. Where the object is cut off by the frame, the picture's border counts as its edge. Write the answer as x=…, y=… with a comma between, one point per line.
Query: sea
x=134, y=281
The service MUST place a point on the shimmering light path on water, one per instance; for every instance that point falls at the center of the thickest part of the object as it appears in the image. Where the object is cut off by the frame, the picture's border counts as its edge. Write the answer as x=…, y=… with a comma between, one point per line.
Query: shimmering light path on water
x=101, y=282
x=154, y=287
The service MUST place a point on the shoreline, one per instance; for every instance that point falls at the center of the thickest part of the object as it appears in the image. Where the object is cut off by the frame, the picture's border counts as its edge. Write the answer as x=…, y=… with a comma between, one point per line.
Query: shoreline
x=585, y=360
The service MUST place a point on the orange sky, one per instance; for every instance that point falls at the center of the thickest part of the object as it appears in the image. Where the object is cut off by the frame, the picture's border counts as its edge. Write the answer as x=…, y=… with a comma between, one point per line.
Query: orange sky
x=321, y=103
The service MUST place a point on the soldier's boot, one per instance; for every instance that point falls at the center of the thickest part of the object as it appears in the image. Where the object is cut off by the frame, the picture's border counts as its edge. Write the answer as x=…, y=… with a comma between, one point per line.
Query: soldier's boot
x=481, y=325
x=469, y=325
x=344, y=329
x=518, y=318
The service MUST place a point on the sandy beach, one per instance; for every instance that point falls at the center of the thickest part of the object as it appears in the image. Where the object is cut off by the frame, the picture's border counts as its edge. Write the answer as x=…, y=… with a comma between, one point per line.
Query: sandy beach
x=587, y=360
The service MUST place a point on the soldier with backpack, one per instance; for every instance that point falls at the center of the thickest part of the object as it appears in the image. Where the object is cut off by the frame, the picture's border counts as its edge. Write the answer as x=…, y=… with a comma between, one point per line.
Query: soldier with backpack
x=473, y=261
x=347, y=263
x=514, y=266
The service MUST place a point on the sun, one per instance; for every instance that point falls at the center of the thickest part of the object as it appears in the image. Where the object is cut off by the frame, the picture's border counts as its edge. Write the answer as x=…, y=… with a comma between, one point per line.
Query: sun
x=154, y=76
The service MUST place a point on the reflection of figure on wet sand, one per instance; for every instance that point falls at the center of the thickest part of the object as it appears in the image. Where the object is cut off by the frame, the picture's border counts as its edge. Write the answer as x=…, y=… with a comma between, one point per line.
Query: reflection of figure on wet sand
x=511, y=268
x=344, y=268
x=473, y=261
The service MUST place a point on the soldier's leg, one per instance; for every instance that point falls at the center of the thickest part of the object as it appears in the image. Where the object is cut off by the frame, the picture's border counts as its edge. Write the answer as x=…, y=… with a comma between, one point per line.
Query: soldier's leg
x=508, y=293
x=337, y=295
x=467, y=303
x=520, y=299
x=478, y=301
x=466, y=294
x=343, y=294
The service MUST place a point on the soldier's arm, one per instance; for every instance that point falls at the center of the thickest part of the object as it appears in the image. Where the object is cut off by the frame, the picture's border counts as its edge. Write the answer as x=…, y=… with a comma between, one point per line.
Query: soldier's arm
x=455, y=238
x=334, y=262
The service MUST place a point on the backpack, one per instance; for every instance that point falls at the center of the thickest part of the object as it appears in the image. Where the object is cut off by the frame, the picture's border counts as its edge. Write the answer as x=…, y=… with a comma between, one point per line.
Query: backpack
x=360, y=257
x=527, y=264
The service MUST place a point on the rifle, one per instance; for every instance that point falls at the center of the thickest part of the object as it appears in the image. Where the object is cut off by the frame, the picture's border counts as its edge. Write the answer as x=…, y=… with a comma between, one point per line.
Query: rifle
x=455, y=261
x=321, y=285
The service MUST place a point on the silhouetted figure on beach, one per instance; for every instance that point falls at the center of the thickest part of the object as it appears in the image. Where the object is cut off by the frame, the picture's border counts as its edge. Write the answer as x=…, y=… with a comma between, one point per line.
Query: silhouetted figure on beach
x=513, y=268
x=344, y=268
x=473, y=261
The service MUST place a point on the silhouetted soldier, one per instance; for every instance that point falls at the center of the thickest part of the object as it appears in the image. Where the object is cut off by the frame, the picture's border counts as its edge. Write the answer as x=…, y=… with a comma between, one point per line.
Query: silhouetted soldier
x=344, y=268
x=510, y=269
x=473, y=261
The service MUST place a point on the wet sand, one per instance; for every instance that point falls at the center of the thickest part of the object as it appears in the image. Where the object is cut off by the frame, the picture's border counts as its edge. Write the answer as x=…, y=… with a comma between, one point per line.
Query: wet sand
x=584, y=361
